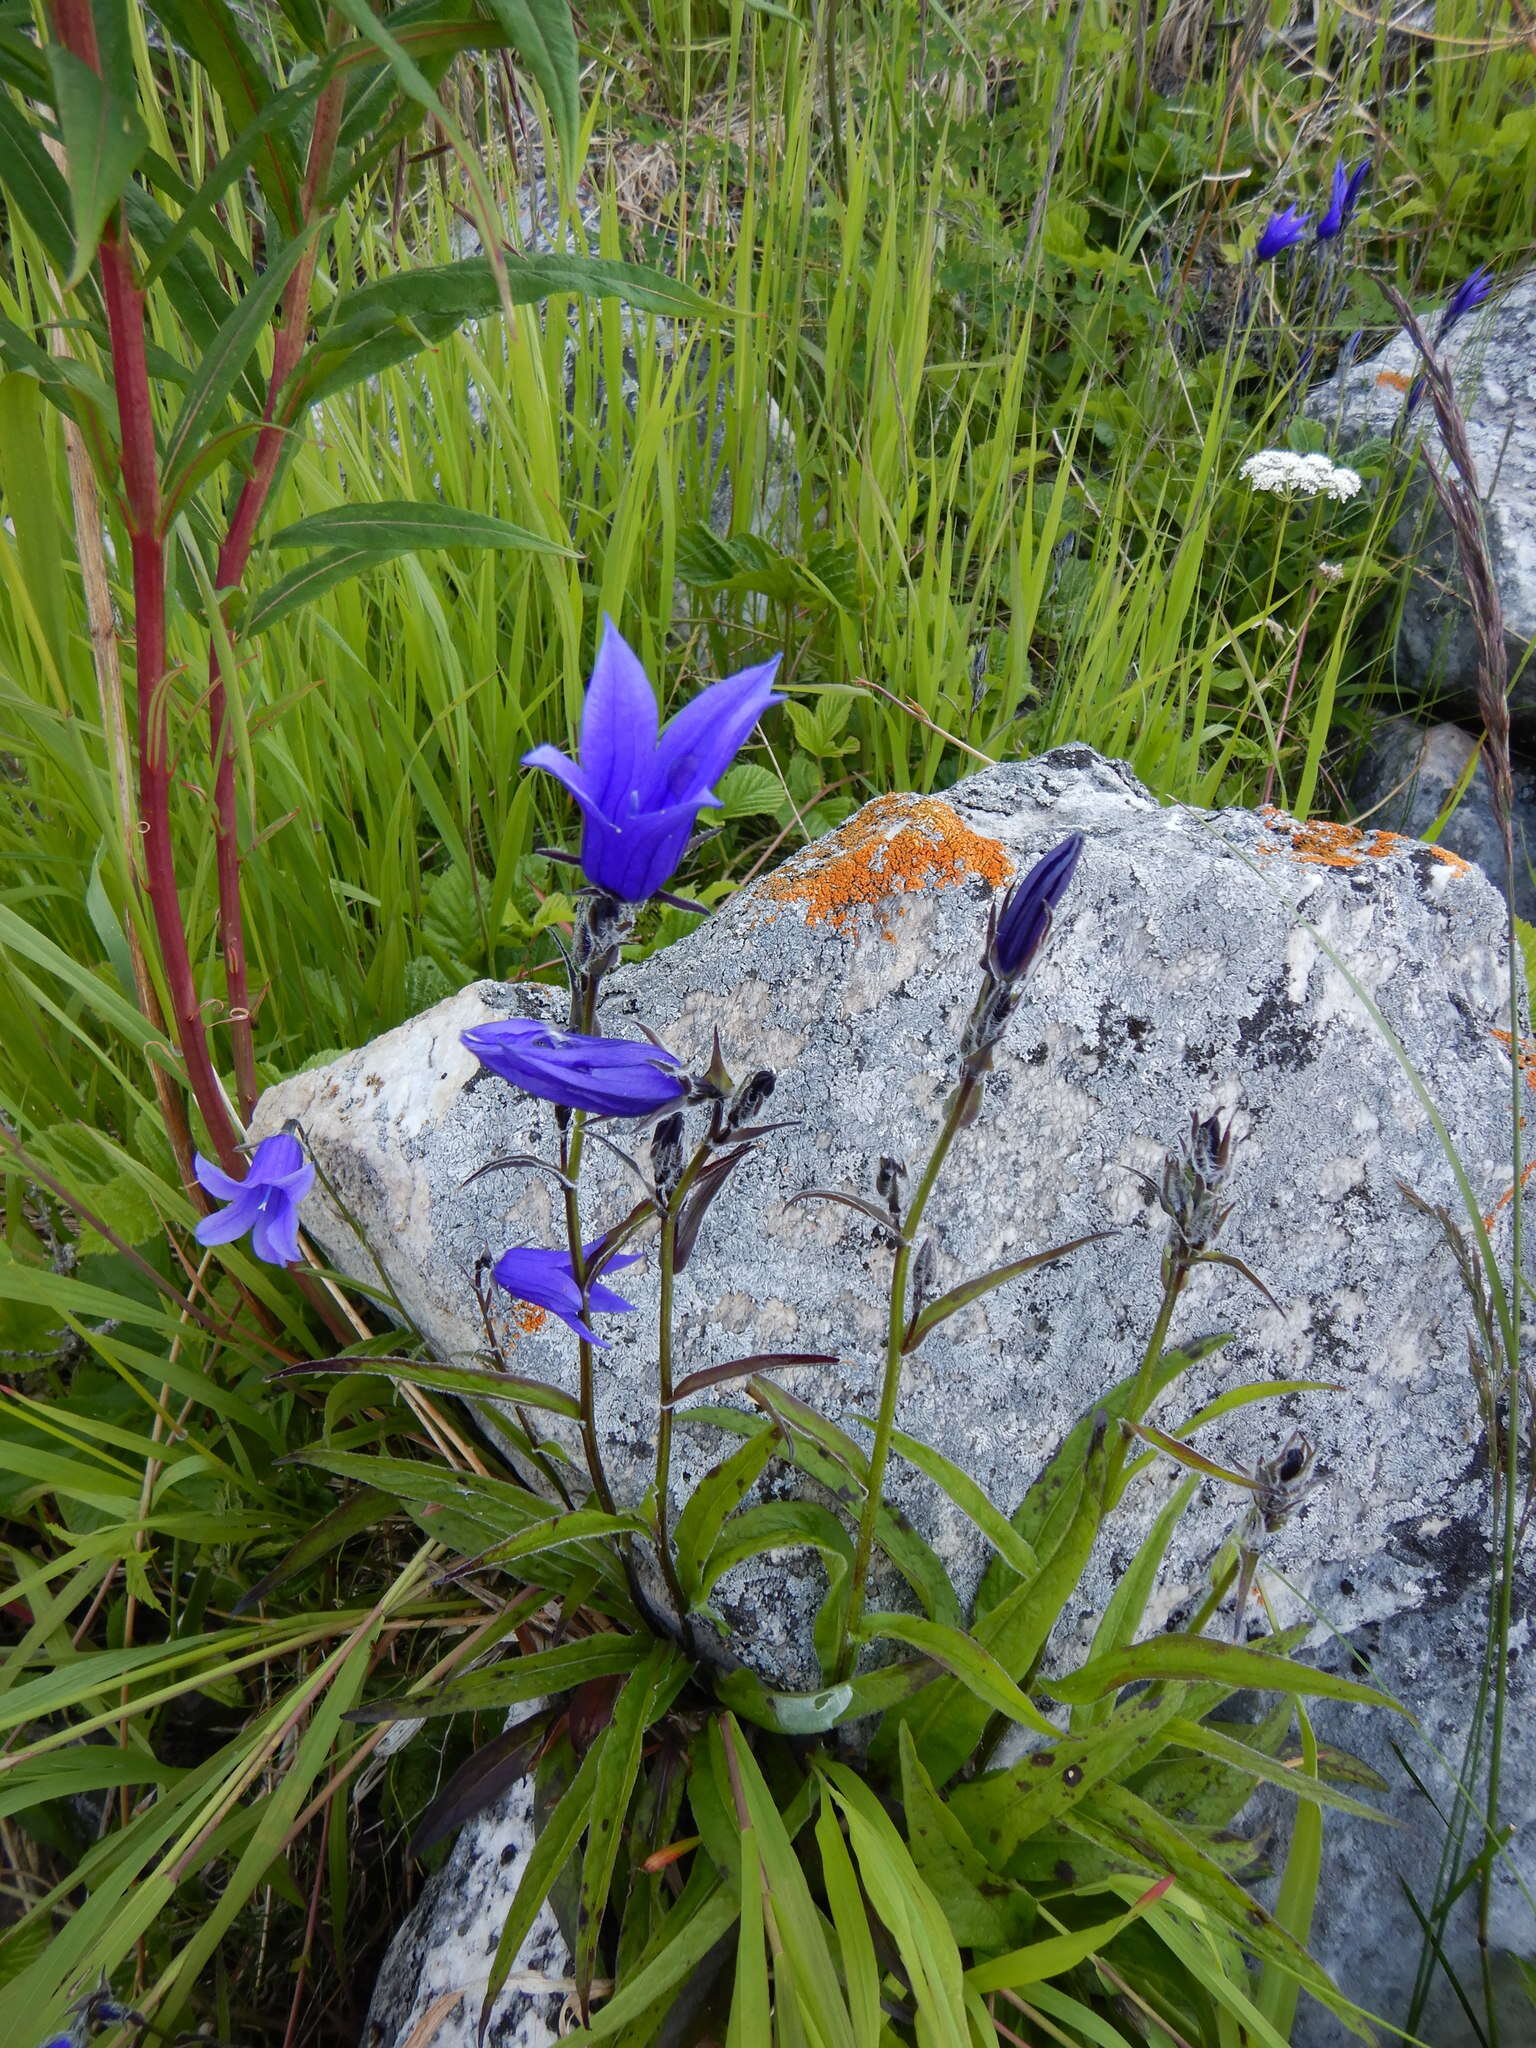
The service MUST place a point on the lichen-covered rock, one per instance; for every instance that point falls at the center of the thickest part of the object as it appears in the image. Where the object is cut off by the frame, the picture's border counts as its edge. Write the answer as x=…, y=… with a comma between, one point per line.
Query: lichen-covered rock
x=1492, y=356
x=1230, y=959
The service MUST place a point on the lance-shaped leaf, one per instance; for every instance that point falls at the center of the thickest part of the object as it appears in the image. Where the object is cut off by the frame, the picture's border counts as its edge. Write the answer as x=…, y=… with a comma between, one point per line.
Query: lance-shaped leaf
x=508, y=1684
x=31, y=181
x=741, y=1368
x=470, y=1381
x=366, y=1507
x=977, y=1670
x=1188, y=1456
x=788, y=1525
x=970, y=1500
x=398, y=526
x=1191, y=1657
x=482, y=1777
x=103, y=141
x=557, y=1533
x=972, y=1290
x=697, y=1202
x=875, y=1211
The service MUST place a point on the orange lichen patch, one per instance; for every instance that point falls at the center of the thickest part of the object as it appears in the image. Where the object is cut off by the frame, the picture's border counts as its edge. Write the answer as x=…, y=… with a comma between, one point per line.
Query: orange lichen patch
x=894, y=845
x=1508, y=1195
x=1392, y=380
x=1320, y=843
x=1527, y=1053
x=525, y=1318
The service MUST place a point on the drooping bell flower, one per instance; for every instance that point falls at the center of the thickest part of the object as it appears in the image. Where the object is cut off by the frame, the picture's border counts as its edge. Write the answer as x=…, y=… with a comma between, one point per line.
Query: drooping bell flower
x=265, y=1203
x=1283, y=232
x=1346, y=190
x=640, y=788
x=545, y=1278
x=607, y=1076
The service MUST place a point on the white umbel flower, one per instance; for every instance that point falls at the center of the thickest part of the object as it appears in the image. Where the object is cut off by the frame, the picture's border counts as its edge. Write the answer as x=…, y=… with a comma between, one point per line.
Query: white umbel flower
x=1302, y=476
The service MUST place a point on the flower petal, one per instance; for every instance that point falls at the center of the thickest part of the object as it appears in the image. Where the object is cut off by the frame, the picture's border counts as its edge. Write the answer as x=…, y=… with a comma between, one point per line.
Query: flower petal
x=633, y=863
x=275, y=1237
x=618, y=725
x=277, y=1159
x=565, y=770
x=225, y=1225
x=700, y=743
x=222, y=1186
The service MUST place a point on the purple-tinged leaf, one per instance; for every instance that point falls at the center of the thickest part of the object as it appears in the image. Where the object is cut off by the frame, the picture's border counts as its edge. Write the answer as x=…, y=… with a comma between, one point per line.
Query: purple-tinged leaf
x=739, y=1368
x=480, y=1779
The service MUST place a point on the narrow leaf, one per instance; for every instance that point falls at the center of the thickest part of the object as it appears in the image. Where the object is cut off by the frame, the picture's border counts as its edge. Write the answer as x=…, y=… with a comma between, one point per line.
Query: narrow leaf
x=472, y=1382
x=740, y=1368
x=543, y=39
x=1228, y=1664
x=972, y=1290
x=397, y=526
x=103, y=141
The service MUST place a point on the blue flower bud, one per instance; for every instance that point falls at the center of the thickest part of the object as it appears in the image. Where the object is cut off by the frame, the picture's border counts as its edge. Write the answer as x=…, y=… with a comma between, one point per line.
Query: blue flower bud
x=1282, y=232
x=1025, y=918
x=608, y=1076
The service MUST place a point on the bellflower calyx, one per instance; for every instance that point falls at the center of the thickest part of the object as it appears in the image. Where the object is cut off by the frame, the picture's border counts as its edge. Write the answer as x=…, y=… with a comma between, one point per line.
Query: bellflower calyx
x=607, y=1076
x=265, y=1203
x=641, y=789
x=546, y=1279
x=1283, y=232
x=1346, y=190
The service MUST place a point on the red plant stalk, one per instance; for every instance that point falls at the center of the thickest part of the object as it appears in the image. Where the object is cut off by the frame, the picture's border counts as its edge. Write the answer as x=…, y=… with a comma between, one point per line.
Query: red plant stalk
x=141, y=507
x=234, y=555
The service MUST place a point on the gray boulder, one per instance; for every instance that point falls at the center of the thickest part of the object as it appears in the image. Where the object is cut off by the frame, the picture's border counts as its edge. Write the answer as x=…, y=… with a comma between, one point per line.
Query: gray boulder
x=1229, y=959
x=1492, y=355
x=1408, y=773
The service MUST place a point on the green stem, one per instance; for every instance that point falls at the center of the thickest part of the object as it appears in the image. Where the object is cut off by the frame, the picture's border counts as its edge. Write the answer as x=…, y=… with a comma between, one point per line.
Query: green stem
x=1175, y=1273
x=583, y=1012
x=961, y=1104
x=664, y=1421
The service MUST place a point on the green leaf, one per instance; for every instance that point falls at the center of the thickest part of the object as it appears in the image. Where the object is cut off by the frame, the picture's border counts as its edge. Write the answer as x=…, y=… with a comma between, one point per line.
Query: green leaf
x=718, y=1494
x=1128, y=1602
x=210, y=30
x=473, y=1382
x=302, y=585
x=861, y=1972
x=786, y=1713
x=579, y=1525
x=225, y=358
x=521, y=1678
x=543, y=39
x=387, y=322
x=1206, y=1740
x=397, y=526
x=1003, y=1809
x=1057, y=1954
x=970, y=1500
x=978, y=1671
x=748, y=791
x=34, y=186
x=982, y=1909
x=789, y=1525
x=1229, y=1664
x=103, y=141
x=972, y=1290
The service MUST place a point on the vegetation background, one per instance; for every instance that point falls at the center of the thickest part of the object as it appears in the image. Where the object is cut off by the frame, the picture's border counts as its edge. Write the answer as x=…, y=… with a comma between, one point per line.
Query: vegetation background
x=952, y=345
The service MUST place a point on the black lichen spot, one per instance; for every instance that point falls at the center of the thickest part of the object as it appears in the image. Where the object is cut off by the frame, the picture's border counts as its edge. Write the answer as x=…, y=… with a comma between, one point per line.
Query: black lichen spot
x=1274, y=1037
x=507, y=1854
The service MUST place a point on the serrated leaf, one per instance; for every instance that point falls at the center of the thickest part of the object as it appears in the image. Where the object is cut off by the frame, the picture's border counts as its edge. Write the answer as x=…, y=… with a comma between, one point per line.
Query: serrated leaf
x=399, y=526
x=103, y=141
x=748, y=791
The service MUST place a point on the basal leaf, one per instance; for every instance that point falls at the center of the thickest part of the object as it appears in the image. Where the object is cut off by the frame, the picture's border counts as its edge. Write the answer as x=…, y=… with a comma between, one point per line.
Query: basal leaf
x=1229, y=1664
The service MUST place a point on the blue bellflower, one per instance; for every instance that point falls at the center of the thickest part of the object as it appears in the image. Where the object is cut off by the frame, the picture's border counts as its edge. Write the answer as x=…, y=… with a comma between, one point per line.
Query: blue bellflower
x=640, y=789
x=1346, y=190
x=1466, y=298
x=1025, y=918
x=545, y=1279
x=265, y=1203
x=1283, y=232
x=608, y=1076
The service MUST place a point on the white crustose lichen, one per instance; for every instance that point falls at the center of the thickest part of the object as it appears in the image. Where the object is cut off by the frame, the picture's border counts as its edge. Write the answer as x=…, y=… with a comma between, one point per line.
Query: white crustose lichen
x=1304, y=476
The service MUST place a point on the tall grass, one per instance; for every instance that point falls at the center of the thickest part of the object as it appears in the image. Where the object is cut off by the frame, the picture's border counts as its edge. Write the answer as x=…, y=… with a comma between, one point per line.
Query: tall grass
x=1002, y=332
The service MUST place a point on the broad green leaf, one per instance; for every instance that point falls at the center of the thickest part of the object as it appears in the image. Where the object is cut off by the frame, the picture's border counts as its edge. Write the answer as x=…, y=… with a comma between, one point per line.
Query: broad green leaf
x=1229, y=1664
x=543, y=39
x=398, y=526
x=1002, y=1809
x=718, y=1494
x=226, y=356
x=749, y=791
x=103, y=140
x=1057, y=1954
x=982, y=1909
x=518, y=1679
x=1128, y=1602
x=387, y=322
x=976, y=1669
x=1304, y=1781
x=302, y=585
x=789, y=1525
x=473, y=1382
x=972, y=1502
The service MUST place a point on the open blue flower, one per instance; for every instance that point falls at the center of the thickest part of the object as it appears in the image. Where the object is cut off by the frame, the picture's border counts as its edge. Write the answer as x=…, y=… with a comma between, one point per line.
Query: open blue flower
x=1466, y=298
x=1025, y=918
x=1346, y=190
x=265, y=1203
x=545, y=1278
x=608, y=1076
x=640, y=790
x=1283, y=231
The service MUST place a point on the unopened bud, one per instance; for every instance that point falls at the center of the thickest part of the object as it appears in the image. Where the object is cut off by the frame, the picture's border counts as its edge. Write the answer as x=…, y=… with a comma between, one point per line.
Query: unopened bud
x=667, y=1155
x=749, y=1098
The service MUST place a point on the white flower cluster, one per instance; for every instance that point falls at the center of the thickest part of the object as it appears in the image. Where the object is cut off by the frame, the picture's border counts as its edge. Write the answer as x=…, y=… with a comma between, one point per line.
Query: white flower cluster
x=1307, y=476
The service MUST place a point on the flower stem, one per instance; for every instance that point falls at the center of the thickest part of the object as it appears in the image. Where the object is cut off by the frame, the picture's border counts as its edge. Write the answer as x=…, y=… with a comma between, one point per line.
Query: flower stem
x=582, y=1013
x=664, y=1418
x=961, y=1104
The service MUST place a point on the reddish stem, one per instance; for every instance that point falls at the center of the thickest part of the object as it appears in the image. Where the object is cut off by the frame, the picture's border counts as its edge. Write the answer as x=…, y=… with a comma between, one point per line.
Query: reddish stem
x=234, y=555
x=141, y=507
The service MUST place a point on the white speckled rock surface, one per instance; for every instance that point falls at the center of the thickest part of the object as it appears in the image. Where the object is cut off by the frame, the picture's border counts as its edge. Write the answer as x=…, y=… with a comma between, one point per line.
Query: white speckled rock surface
x=1198, y=961
x=1492, y=355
